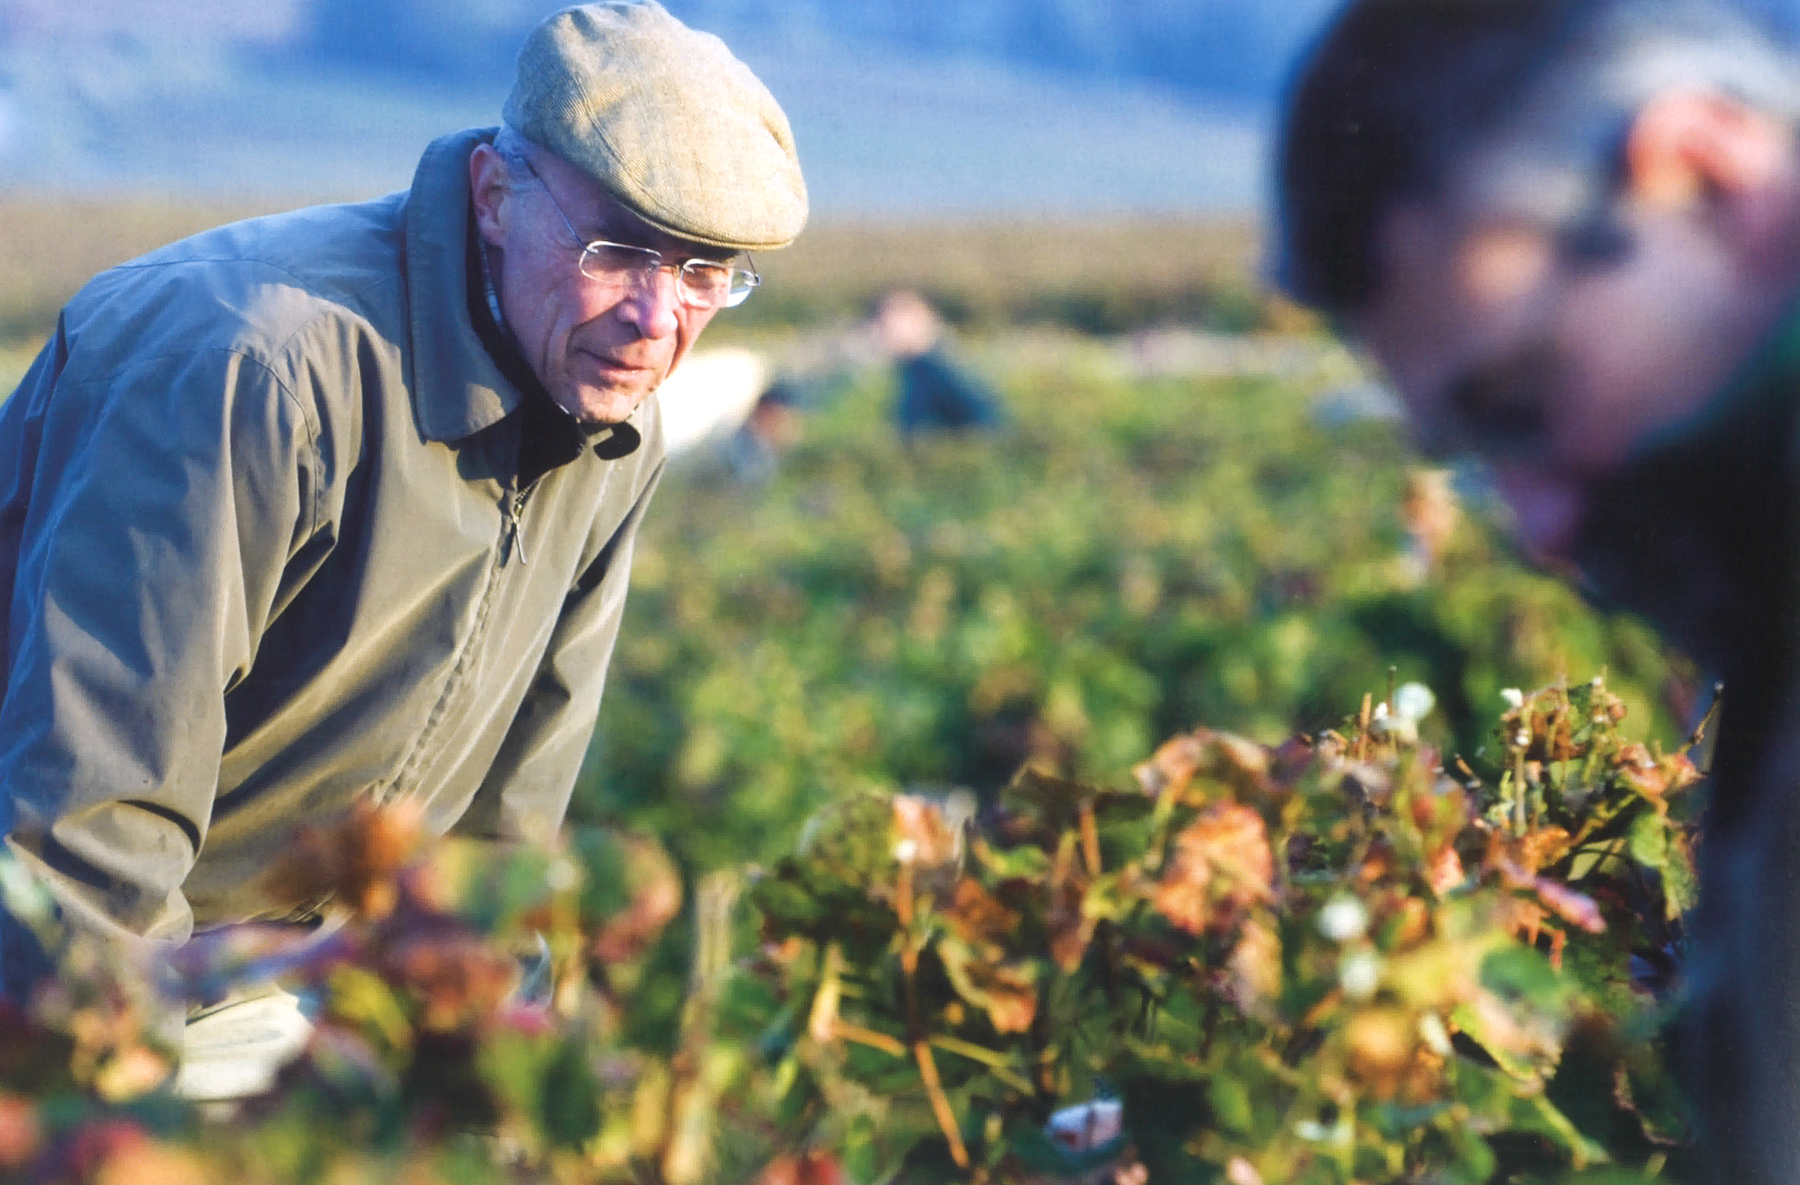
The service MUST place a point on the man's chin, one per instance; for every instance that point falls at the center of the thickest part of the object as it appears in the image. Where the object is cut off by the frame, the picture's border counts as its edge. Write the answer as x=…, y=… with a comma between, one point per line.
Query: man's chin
x=607, y=405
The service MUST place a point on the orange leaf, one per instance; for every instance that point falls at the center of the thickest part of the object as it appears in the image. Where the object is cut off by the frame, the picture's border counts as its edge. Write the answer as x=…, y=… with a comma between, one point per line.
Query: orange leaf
x=921, y=823
x=20, y=1132
x=1222, y=866
x=1444, y=871
x=1172, y=766
x=354, y=860
x=977, y=915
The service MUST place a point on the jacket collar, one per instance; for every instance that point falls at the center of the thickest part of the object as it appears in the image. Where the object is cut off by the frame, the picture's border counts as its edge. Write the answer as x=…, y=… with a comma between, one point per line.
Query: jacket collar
x=457, y=389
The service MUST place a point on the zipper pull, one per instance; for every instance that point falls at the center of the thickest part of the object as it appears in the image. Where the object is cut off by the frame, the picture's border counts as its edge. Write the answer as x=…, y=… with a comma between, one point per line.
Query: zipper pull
x=515, y=527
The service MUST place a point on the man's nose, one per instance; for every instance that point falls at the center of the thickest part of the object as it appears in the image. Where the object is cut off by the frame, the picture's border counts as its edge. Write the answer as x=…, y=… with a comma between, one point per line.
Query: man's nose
x=654, y=303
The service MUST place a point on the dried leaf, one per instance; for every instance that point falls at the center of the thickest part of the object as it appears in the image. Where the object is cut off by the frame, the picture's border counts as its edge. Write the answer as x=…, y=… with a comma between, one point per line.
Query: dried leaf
x=1655, y=779
x=456, y=978
x=1011, y=998
x=1538, y=850
x=1007, y=992
x=1239, y=763
x=1071, y=927
x=1444, y=871
x=1253, y=972
x=1518, y=861
x=977, y=915
x=1172, y=766
x=1222, y=866
x=355, y=861
x=920, y=823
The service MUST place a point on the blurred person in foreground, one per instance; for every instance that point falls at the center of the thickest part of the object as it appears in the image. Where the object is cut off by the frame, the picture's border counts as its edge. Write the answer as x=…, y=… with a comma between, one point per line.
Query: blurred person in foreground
x=936, y=394
x=341, y=503
x=1569, y=232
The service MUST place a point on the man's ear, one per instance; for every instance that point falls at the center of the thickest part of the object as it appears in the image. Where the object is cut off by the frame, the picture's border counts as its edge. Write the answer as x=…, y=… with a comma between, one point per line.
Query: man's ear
x=1686, y=146
x=490, y=185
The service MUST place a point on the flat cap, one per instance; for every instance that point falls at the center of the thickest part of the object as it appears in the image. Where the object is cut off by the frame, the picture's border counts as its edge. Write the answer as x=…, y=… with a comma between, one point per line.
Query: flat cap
x=666, y=119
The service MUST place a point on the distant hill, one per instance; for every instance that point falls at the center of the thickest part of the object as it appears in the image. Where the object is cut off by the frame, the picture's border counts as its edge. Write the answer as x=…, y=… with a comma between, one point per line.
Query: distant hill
x=1058, y=105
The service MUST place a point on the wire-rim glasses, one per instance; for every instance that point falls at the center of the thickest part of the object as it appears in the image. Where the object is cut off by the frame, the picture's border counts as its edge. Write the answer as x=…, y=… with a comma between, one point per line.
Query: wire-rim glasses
x=705, y=284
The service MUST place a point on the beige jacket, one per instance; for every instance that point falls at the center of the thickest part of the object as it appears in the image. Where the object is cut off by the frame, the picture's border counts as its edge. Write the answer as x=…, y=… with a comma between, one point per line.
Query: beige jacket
x=270, y=539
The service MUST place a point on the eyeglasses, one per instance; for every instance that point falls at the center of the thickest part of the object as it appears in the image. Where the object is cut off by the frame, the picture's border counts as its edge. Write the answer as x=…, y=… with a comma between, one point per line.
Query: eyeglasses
x=704, y=284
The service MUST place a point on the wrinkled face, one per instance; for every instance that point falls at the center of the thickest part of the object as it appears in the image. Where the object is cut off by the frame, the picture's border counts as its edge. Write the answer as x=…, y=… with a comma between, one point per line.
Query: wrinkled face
x=600, y=351
x=1506, y=341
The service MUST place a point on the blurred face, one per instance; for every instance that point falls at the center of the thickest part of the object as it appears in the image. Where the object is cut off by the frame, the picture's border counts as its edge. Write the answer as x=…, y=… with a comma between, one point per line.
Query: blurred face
x=1559, y=352
x=1506, y=342
x=600, y=351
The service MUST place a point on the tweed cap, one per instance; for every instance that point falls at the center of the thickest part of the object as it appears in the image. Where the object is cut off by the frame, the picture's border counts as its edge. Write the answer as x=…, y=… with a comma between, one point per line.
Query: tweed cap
x=666, y=119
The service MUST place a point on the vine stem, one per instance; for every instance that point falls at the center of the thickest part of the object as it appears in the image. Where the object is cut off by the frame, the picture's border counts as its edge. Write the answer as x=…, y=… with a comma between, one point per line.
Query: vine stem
x=1520, y=790
x=869, y=1037
x=928, y=1072
x=940, y=1103
x=1090, y=838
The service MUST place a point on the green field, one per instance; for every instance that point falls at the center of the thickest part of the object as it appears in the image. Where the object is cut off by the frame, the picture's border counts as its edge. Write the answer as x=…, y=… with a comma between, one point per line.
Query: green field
x=1134, y=554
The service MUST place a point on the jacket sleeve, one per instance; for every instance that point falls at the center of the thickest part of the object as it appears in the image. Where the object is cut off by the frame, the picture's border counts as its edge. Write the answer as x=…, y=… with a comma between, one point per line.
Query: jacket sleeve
x=526, y=793
x=147, y=509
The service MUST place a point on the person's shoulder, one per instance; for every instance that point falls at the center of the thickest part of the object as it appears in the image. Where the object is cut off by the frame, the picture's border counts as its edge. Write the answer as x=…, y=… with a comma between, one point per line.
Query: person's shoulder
x=253, y=287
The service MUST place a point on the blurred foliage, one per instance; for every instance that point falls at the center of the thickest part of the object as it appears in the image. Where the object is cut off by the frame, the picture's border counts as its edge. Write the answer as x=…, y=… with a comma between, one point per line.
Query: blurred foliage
x=475, y=1012
x=1134, y=553
x=1329, y=961
x=1326, y=962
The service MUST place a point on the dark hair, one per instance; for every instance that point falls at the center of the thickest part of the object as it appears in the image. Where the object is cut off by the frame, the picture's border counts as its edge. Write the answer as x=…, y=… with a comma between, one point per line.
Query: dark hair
x=1392, y=93
x=1396, y=93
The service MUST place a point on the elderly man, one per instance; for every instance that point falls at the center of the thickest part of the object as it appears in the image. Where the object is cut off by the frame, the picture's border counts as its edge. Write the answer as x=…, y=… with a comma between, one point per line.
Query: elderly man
x=341, y=502
x=1569, y=231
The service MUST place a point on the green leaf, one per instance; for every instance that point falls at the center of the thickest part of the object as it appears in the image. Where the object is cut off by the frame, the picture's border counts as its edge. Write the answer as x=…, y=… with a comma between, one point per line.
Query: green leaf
x=1231, y=1106
x=569, y=1101
x=494, y=885
x=1516, y=971
x=1537, y=1114
x=1653, y=843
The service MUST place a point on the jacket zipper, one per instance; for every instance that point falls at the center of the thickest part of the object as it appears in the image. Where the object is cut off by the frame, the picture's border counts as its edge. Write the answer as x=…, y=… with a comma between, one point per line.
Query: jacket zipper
x=515, y=522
